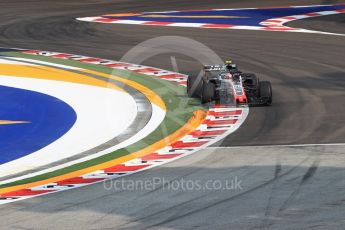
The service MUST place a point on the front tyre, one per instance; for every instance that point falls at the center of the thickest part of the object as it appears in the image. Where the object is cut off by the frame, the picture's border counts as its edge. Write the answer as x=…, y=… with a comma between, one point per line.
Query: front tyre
x=194, y=86
x=208, y=92
x=266, y=92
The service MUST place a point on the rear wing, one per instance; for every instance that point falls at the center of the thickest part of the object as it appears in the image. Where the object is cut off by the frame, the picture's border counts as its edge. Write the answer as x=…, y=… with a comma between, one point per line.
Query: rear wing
x=214, y=67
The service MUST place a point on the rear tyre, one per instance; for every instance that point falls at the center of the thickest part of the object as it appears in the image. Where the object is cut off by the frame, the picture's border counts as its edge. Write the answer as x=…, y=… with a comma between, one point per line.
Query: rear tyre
x=194, y=86
x=208, y=92
x=266, y=92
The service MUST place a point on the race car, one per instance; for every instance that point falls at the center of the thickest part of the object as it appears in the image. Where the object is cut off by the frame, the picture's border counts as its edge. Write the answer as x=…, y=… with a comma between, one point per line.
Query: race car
x=225, y=84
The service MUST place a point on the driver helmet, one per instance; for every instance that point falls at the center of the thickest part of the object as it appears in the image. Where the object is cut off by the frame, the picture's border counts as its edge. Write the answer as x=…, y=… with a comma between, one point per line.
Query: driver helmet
x=230, y=66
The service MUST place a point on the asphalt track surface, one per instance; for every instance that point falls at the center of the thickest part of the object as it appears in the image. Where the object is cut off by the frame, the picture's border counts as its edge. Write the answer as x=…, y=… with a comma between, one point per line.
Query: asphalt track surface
x=283, y=187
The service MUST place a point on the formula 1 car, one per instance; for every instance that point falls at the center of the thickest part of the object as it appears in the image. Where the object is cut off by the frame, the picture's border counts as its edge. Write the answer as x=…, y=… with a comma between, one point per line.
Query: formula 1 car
x=225, y=84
